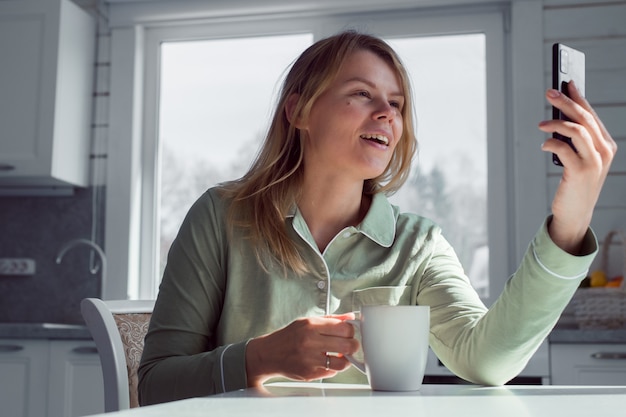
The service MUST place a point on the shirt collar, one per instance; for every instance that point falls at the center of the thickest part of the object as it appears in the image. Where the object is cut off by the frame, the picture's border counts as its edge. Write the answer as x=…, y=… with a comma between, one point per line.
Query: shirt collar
x=379, y=223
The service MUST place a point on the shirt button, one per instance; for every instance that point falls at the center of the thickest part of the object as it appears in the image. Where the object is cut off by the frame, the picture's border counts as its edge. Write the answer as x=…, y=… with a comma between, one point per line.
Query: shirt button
x=346, y=235
x=321, y=284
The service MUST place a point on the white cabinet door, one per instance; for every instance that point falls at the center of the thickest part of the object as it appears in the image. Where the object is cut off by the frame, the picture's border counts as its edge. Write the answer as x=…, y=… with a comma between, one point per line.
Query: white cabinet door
x=75, y=382
x=47, y=50
x=588, y=364
x=23, y=377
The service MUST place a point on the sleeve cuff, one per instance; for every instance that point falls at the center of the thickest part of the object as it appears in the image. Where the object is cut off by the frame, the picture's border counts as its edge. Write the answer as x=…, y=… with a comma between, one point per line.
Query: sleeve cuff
x=558, y=262
x=233, y=367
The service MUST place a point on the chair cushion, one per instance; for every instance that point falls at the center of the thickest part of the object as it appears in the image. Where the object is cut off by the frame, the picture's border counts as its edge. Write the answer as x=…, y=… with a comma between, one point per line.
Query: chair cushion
x=133, y=328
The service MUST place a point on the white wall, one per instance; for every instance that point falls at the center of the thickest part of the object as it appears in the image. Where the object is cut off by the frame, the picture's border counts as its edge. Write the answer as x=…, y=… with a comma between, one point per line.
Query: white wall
x=598, y=29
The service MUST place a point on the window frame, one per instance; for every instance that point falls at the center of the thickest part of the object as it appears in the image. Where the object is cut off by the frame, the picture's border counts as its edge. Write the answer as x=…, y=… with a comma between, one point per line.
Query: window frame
x=133, y=96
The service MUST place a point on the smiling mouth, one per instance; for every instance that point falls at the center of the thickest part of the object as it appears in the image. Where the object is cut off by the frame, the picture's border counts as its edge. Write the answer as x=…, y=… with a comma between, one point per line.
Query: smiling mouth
x=381, y=139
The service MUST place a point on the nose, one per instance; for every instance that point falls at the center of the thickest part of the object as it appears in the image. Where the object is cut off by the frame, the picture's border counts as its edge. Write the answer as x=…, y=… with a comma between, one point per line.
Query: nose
x=384, y=110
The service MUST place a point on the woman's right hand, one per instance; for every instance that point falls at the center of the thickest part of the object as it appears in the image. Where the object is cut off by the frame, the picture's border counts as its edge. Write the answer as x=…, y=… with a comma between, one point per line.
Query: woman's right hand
x=298, y=351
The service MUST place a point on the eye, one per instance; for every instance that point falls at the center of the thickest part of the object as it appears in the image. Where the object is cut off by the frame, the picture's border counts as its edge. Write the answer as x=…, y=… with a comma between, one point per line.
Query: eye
x=397, y=104
x=365, y=94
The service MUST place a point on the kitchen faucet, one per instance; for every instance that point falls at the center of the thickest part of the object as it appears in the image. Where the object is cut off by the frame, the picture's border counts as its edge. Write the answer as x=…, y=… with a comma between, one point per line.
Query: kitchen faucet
x=103, y=261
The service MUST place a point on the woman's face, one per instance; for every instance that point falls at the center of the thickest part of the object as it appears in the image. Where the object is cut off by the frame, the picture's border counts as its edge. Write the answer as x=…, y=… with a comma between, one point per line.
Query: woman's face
x=355, y=125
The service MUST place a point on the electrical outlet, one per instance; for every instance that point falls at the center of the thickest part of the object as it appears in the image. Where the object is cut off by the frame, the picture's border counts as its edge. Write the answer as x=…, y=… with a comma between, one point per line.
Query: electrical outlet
x=17, y=266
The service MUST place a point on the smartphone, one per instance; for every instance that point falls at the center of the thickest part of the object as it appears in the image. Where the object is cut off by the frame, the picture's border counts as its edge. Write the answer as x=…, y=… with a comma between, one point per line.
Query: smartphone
x=568, y=64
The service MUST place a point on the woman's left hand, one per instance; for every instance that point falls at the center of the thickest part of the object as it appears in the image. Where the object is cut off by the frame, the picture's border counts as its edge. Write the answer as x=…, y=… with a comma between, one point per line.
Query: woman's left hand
x=584, y=171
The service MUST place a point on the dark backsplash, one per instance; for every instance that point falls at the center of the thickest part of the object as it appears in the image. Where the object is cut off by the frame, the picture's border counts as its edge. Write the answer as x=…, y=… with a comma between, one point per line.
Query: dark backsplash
x=37, y=228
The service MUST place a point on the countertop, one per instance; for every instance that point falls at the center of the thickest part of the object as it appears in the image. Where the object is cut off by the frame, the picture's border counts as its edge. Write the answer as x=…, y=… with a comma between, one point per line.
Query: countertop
x=43, y=331
x=575, y=335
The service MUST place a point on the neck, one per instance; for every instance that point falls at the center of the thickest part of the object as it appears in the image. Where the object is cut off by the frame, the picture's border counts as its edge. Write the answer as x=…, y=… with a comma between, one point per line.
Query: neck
x=330, y=207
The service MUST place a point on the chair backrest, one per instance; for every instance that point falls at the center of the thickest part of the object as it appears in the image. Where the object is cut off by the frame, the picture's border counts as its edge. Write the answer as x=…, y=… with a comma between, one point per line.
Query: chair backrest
x=118, y=327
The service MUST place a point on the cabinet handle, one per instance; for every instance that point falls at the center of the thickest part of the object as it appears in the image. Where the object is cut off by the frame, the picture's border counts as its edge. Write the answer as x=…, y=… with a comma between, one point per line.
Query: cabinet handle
x=10, y=348
x=85, y=350
x=6, y=167
x=609, y=355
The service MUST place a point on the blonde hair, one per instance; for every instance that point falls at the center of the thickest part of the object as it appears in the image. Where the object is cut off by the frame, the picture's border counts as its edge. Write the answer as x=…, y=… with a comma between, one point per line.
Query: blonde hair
x=264, y=196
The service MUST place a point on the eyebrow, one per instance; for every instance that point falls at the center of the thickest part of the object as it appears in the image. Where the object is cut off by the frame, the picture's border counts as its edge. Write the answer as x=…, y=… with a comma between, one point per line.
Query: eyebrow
x=371, y=84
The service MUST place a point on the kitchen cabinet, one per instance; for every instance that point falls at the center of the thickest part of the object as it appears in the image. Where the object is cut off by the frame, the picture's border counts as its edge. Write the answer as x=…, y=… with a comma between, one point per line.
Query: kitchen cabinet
x=54, y=378
x=75, y=385
x=46, y=90
x=23, y=377
x=588, y=364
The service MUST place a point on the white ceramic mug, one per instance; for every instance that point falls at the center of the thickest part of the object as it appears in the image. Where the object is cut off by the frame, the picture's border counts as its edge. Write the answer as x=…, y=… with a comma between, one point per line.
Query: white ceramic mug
x=394, y=340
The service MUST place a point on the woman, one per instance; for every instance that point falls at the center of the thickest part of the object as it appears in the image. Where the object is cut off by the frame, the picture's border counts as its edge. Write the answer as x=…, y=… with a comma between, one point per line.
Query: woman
x=266, y=268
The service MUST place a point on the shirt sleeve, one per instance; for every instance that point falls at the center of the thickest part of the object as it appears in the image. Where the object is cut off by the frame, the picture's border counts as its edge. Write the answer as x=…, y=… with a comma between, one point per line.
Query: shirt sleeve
x=493, y=346
x=182, y=357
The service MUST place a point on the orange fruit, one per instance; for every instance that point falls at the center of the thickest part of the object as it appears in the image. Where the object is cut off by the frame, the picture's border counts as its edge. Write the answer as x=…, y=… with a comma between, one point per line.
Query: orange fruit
x=615, y=282
x=598, y=278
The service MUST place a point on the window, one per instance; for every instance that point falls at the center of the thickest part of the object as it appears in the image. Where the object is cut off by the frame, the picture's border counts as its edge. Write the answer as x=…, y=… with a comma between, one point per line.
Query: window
x=510, y=214
x=208, y=88
x=457, y=64
x=450, y=173
x=216, y=99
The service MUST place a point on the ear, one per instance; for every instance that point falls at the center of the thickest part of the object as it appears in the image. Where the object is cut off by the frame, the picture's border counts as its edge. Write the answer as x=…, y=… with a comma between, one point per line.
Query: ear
x=290, y=107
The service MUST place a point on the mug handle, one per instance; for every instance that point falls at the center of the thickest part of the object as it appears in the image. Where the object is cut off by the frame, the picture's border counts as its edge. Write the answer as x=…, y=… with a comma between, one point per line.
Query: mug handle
x=357, y=363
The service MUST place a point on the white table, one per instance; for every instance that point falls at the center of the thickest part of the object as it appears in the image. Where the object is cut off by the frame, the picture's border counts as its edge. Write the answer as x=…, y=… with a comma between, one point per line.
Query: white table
x=327, y=400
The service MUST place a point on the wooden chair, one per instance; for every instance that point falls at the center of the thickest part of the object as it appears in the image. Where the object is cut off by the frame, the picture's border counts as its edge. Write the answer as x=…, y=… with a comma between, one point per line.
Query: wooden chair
x=118, y=327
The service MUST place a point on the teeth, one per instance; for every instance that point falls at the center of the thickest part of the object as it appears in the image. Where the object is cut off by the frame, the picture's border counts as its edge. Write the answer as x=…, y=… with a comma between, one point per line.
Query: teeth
x=378, y=138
